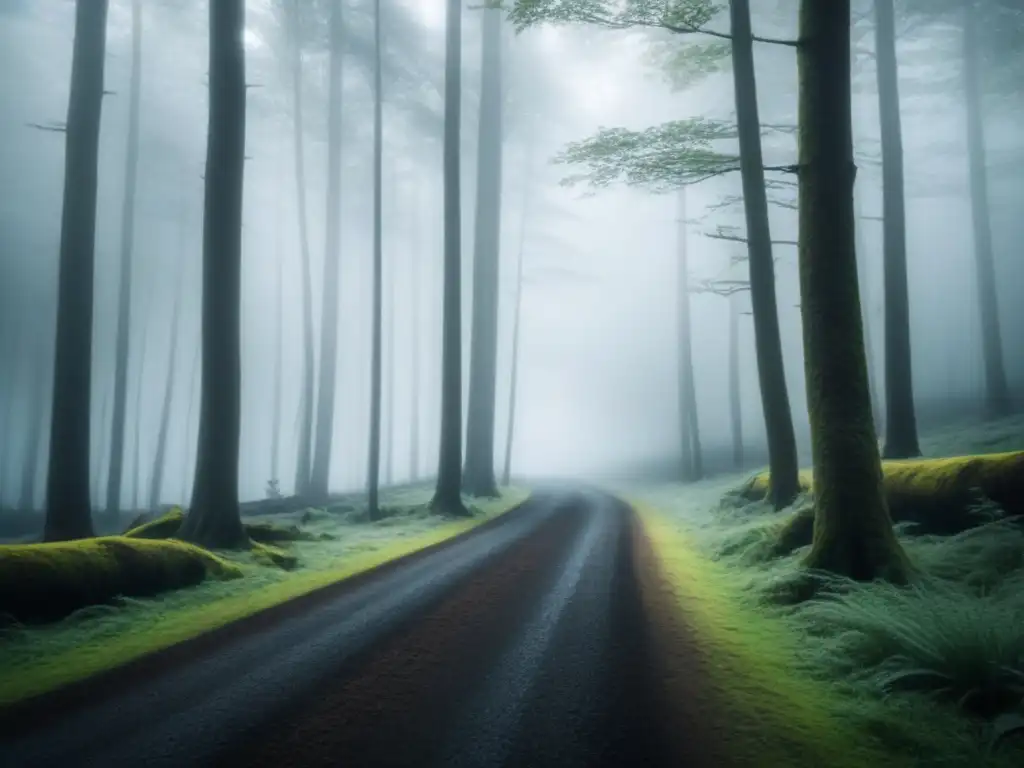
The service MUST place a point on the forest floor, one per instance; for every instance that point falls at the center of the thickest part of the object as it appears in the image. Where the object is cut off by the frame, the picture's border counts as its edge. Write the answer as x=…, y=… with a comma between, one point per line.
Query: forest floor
x=932, y=675
x=339, y=542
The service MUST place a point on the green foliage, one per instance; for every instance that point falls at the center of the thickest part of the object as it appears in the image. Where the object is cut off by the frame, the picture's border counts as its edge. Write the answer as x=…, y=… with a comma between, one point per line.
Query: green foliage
x=660, y=159
x=675, y=15
x=682, y=65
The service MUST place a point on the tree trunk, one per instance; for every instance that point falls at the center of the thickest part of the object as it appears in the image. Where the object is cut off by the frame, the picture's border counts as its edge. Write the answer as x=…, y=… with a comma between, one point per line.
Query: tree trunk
x=997, y=393
x=156, y=479
x=735, y=397
x=900, y=421
x=388, y=368
x=506, y=475
x=115, y=477
x=853, y=533
x=415, y=335
x=275, y=424
x=321, y=473
x=447, y=495
x=692, y=462
x=187, y=458
x=866, y=299
x=783, y=462
x=136, y=476
x=213, y=519
x=68, y=509
x=33, y=442
x=373, y=481
x=304, y=459
x=103, y=447
x=478, y=477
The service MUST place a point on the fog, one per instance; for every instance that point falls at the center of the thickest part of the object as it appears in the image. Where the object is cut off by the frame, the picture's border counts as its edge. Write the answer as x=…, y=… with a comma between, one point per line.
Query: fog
x=598, y=387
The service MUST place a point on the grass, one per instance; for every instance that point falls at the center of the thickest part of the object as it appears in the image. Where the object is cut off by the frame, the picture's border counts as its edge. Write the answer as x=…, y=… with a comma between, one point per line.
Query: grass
x=35, y=659
x=864, y=673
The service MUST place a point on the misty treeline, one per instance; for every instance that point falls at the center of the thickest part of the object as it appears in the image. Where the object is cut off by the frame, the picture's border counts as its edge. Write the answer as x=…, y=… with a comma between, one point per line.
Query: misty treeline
x=971, y=48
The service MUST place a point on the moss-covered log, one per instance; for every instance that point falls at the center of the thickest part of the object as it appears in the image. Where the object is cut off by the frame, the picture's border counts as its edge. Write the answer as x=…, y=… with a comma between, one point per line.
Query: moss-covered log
x=44, y=582
x=167, y=526
x=853, y=534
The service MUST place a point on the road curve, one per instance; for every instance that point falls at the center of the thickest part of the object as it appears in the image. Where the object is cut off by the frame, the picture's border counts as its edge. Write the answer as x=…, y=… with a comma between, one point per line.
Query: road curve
x=522, y=643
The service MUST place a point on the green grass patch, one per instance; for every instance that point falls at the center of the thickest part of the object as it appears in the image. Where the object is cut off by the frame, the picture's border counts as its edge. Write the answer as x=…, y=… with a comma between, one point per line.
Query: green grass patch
x=37, y=659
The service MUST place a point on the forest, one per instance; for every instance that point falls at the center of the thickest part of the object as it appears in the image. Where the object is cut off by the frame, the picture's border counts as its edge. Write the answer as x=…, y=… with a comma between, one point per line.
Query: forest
x=713, y=298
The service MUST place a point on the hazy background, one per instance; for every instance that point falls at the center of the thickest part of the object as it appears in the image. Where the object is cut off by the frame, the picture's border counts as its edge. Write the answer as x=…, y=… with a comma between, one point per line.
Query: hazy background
x=598, y=365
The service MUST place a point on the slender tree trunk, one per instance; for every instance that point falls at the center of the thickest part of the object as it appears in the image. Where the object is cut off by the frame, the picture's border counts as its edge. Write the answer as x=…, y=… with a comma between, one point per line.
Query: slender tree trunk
x=156, y=478
x=102, y=447
x=321, y=472
x=853, y=533
x=68, y=508
x=997, y=393
x=115, y=477
x=900, y=420
x=478, y=477
x=275, y=424
x=692, y=461
x=304, y=458
x=34, y=438
x=136, y=475
x=415, y=335
x=866, y=299
x=188, y=456
x=735, y=397
x=783, y=462
x=213, y=519
x=447, y=496
x=388, y=368
x=373, y=481
x=506, y=475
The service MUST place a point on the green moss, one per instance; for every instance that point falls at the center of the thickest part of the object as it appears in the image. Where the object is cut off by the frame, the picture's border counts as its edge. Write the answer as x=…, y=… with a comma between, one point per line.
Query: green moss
x=267, y=554
x=163, y=527
x=167, y=525
x=40, y=582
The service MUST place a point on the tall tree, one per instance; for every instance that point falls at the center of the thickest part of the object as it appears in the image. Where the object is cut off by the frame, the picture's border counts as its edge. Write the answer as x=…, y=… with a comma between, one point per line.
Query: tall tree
x=373, y=481
x=324, y=435
x=997, y=393
x=213, y=519
x=275, y=423
x=447, y=495
x=735, y=392
x=115, y=476
x=783, y=462
x=156, y=477
x=68, y=513
x=33, y=437
x=689, y=430
x=900, y=420
x=304, y=460
x=388, y=367
x=415, y=336
x=478, y=477
x=867, y=311
x=136, y=472
x=853, y=533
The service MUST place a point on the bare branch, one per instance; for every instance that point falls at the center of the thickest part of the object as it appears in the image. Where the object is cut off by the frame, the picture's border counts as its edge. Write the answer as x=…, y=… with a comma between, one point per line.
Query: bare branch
x=51, y=127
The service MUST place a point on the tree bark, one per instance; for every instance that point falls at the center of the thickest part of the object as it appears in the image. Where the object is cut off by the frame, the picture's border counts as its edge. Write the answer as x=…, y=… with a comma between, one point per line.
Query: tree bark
x=213, y=519
x=303, y=462
x=900, y=420
x=735, y=395
x=478, y=476
x=68, y=509
x=853, y=533
x=778, y=419
x=997, y=394
x=447, y=495
x=373, y=481
x=156, y=478
x=691, y=458
x=187, y=457
x=321, y=472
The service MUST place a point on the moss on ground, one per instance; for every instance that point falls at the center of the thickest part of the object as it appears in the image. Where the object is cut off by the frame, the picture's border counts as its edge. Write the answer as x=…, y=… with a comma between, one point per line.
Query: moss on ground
x=166, y=526
x=35, y=659
x=40, y=582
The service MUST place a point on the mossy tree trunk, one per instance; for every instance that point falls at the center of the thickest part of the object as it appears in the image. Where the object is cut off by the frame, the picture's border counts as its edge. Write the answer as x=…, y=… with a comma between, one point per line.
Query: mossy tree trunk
x=778, y=418
x=447, y=494
x=735, y=395
x=997, y=393
x=304, y=458
x=853, y=533
x=213, y=519
x=900, y=420
x=68, y=507
x=689, y=428
x=478, y=477
x=115, y=475
x=324, y=427
x=373, y=470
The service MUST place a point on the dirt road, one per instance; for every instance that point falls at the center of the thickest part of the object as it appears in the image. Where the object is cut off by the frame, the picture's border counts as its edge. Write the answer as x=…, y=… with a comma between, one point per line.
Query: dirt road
x=521, y=644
